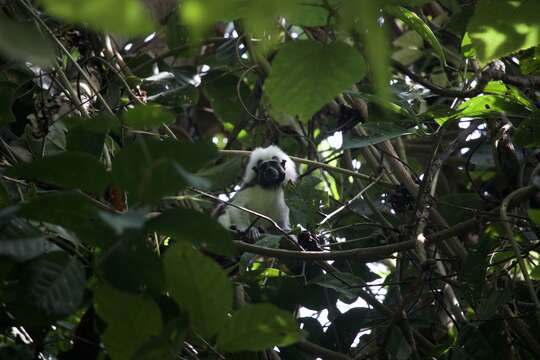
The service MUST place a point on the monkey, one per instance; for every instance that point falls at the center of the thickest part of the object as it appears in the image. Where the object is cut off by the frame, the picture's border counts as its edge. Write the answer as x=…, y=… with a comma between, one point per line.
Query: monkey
x=268, y=170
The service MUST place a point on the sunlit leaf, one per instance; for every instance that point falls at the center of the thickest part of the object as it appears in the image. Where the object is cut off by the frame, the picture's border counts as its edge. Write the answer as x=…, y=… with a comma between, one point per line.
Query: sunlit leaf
x=484, y=105
x=292, y=86
x=126, y=17
x=501, y=27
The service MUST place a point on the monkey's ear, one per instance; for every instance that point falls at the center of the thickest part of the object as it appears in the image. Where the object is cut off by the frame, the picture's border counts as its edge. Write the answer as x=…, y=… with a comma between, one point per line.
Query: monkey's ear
x=283, y=162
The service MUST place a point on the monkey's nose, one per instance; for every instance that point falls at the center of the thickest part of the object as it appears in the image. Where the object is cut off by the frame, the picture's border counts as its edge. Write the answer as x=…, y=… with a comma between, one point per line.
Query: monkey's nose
x=271, y=174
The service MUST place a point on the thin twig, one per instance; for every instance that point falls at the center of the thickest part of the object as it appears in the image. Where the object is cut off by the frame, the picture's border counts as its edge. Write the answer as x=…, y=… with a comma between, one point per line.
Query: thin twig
x=324, y=166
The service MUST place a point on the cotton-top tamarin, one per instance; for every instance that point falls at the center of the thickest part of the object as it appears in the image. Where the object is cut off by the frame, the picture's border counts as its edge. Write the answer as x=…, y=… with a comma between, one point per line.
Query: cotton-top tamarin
x=269, y=169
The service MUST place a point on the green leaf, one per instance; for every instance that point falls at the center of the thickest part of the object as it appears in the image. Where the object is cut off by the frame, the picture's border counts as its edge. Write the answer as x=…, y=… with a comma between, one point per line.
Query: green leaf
x=51, y=286
x=125, y=17
x=501, y=27
x=534, y=215
x=7, y=96
x=71, y=210
x=88, y=134
x=194, y=227
x=200, y=287
x=55, y=141
x=256, y=327
x=20, y=241
x=364, y=17
x=398, y=347
x=304, y=201
x=535, y=273
x=378, y=132
x=129, y=264
x=132, y=320
x=456, y=207
x=224, y=174
x=226, y=94
x=306, y=13
x=15, y=38
x=414, y=22
x=335, y=283
x=151, y=169
x=68, y=170
x=150, y=116
x=292, y=87
x=526, y=134
x=484, y=105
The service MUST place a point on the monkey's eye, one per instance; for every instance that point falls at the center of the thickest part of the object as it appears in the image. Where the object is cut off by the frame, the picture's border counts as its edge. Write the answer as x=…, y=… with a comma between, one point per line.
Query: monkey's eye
x=283, y=162
x=255, y=168
x=274, y=157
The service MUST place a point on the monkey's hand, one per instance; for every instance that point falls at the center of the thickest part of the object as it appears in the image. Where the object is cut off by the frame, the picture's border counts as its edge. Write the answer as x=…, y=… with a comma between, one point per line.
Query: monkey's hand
x=253, y=234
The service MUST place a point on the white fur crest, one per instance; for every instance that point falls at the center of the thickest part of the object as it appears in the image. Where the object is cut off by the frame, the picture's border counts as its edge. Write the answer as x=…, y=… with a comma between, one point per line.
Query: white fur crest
x=266, y=154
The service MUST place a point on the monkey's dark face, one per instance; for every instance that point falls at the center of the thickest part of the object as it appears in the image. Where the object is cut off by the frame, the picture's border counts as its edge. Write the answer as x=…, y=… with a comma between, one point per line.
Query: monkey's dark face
x=270, y=173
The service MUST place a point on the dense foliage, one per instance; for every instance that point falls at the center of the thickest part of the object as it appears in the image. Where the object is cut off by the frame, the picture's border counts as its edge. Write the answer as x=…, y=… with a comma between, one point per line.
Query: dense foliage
x=415, y=127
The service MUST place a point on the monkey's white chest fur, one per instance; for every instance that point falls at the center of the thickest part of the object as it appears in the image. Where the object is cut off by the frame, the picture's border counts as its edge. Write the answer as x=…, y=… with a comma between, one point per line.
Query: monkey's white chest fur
x=263, y=201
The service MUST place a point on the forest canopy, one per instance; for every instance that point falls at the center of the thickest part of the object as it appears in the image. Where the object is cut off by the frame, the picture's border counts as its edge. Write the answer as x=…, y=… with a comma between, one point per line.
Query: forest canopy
x=414, y=126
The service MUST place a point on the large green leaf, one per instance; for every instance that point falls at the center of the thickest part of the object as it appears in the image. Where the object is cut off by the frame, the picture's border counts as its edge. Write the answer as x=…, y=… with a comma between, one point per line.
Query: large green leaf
x=51, y=287
x=20, y=241
x=147, y=117
x=306, y=75
x=228, y=95
x=129, y=264
x=68, y=170
x=199, y=286
x=223, y=175
x=132, y=321
x=71, y=210
x=501, y=27
x=194, y=227
x=151, y=169
x=126, y=17
x=15, y=38
x=259, y=17
x=258, y=327
x=88, y=134
x=417, y=24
